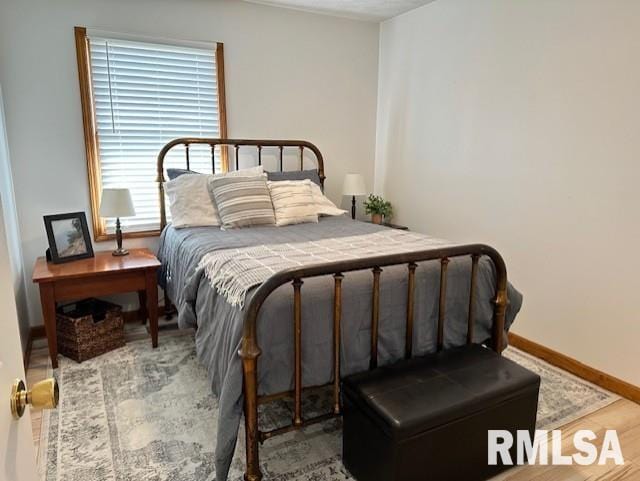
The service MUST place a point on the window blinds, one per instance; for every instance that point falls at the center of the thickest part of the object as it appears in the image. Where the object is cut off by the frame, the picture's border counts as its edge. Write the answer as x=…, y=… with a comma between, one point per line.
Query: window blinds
x=145, y=95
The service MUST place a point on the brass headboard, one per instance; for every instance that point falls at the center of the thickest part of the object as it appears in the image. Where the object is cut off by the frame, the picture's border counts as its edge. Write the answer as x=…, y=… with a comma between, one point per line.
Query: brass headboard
x=236, y=144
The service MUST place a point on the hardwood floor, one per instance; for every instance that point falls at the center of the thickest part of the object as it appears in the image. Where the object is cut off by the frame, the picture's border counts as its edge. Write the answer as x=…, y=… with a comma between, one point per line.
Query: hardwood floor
x=622, y=415
x=37, y=371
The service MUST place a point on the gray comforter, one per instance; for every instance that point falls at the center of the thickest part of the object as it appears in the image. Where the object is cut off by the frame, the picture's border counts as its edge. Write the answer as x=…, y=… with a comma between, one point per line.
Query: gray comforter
x=219, y=325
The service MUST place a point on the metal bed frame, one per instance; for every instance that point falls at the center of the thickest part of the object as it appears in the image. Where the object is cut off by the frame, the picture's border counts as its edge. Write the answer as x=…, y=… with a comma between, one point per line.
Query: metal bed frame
x=250, y=349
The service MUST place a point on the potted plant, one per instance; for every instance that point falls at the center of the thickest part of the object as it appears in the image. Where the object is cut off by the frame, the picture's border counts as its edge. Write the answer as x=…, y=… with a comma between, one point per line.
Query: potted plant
x=378, y=208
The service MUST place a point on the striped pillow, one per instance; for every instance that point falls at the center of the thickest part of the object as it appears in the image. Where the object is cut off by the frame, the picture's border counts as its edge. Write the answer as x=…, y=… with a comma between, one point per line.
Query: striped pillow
x=242, y=201
x=293, y=202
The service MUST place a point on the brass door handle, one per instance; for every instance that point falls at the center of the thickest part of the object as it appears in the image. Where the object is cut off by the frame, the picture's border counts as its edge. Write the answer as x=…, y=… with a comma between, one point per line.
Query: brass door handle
x=43, y=395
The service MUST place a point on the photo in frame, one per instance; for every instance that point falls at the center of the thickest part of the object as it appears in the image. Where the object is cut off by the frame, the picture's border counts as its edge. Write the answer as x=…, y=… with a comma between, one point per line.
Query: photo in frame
x=68, y=236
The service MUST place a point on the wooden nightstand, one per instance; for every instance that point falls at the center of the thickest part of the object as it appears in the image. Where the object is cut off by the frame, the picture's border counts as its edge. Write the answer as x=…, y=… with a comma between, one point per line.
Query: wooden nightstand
x=100, y=276
x=393, y=226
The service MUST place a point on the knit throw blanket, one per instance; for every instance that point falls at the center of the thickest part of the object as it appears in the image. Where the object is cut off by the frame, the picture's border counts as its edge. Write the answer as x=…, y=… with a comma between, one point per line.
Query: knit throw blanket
x=232, y=272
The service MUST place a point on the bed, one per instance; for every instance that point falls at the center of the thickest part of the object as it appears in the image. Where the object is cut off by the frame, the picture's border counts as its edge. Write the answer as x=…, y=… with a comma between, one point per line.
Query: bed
x=309, y=326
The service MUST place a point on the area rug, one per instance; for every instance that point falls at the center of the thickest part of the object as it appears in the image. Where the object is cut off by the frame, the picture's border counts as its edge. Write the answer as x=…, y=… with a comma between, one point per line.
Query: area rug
x=142, y=414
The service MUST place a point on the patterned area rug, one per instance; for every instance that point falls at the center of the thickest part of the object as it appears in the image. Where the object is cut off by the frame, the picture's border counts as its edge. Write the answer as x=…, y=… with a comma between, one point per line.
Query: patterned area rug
x=142, y=414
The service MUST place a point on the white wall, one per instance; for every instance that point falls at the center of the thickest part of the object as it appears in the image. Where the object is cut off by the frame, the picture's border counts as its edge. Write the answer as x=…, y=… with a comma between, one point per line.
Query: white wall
x=516, y=123
x=12, y=230
x=289, y=74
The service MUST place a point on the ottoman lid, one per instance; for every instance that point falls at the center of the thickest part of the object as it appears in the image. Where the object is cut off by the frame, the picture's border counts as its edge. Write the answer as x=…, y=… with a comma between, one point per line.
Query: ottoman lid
x=412, y=396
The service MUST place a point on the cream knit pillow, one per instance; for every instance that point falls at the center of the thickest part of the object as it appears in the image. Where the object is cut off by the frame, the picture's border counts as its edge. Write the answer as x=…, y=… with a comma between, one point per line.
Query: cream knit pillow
x=292, y=201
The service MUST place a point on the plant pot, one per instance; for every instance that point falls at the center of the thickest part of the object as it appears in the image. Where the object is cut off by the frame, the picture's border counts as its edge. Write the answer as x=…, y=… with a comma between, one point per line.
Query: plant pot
x=376, y=218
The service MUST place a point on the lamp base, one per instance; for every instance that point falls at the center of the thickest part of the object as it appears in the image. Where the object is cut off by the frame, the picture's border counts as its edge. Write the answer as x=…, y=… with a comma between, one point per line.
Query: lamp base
x=119, y=252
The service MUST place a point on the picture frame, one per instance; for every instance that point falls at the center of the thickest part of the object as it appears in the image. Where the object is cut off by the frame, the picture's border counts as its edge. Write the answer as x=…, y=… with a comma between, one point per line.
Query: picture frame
x=68, y=236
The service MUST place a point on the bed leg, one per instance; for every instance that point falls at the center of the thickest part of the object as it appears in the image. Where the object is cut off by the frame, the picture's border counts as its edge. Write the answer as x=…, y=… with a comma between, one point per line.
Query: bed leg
x=168, y=307
x=252, y=472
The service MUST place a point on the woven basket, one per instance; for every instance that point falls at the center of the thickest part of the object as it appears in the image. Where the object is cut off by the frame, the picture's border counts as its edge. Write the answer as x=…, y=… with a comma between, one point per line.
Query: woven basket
x=89, y=328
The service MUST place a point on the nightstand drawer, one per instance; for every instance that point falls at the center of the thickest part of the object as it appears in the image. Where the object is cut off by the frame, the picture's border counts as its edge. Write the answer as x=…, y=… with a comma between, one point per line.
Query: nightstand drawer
x=107, y=284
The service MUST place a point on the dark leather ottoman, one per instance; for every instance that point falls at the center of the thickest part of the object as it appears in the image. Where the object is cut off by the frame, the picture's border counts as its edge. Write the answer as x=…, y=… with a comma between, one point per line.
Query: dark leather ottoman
x=427, y=418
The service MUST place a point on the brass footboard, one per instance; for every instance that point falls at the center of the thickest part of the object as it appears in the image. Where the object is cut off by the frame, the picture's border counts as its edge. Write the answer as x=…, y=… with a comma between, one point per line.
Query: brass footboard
x=250, y=349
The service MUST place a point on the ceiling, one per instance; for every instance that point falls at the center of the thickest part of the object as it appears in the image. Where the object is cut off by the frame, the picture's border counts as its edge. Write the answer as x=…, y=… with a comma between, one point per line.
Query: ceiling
x=372, y=10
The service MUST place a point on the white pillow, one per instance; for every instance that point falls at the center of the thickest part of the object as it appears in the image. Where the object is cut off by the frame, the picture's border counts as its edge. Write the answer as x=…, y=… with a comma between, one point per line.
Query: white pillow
x=292, y=202
x=323, y=205
x=249, y=172
x=189, y=201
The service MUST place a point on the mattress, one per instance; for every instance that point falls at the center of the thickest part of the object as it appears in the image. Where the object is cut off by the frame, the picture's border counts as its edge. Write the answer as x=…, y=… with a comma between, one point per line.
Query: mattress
x=219, y=325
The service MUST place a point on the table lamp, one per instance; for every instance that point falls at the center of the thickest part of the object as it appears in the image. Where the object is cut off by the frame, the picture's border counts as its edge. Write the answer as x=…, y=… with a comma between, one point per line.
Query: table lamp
x=117, y=203
x=353, y=185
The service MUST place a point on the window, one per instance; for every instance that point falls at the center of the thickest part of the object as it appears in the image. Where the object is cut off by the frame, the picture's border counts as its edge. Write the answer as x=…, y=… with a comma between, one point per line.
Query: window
x=136, y=96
